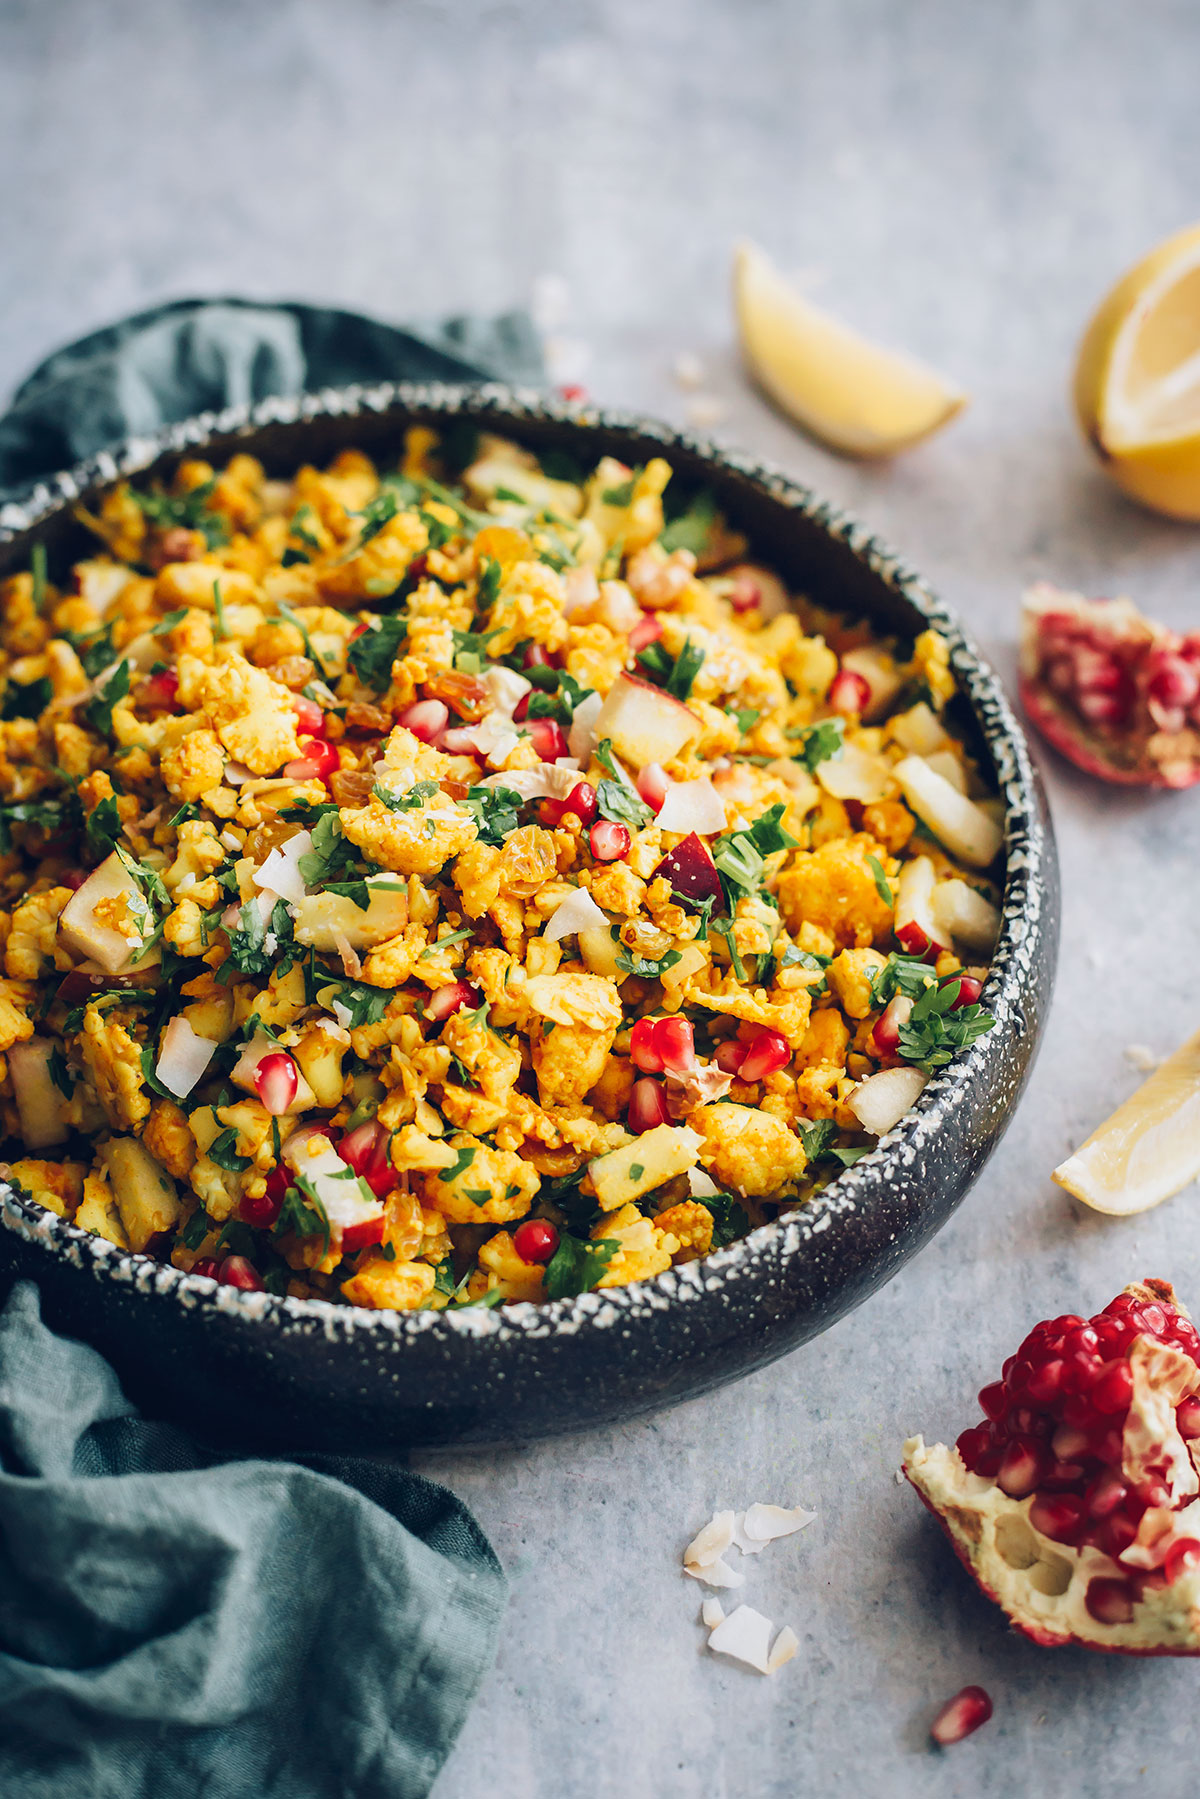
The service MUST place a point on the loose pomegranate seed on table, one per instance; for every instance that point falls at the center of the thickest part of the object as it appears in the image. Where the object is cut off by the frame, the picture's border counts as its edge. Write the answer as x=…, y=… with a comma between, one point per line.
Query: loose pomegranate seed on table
x=961, y=1716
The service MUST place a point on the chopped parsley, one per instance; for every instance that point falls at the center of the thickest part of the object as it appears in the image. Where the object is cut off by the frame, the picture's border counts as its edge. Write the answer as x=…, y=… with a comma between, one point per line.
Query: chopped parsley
x=223, y=1151
x=190, y=510
x=496, y=811
x=463, y=1161
x=674, y=674
x=729, y=1217
x=26, y=699
x=577, y=1266
x=691, y=529
x=882, y=886
x=616, y=798
x=935, y=1029
x=819, y=743
x=103, y=827
x=371, y=656
x=99, y=710
x=411, y=800
x=740, y=855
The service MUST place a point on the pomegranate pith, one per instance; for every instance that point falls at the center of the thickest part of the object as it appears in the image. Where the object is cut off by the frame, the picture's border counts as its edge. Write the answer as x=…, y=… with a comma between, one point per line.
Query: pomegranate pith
x=1076, y=1502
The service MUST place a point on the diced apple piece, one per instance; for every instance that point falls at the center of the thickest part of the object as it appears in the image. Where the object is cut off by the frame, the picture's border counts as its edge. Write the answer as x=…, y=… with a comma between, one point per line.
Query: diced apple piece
x=919, y=730
x=645, y=724
x=965, y=916
x=856, y=774
x=882, y=1099
x=654, y=1157
x=965, y=828
x=319, y=1055
x=916, y=927
x=600, y=950
x=243, y=1071
x=323, y=918
x=81, y=932
x=39, y=1102
x=947, y=764
x=356, y=1216
x=878, y=669
x=691, y=871
x=144, y=1192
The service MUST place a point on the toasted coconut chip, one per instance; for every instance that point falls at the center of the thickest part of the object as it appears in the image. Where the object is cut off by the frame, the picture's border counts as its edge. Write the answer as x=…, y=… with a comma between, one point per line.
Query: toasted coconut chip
x=745, y=1636
x=712, y=1612
x=784, y=1648
x=710, y=1543
x=578, y=912
x=763, y=1523
x=747, y=1545
x=715, y=1574
x=701, y=1185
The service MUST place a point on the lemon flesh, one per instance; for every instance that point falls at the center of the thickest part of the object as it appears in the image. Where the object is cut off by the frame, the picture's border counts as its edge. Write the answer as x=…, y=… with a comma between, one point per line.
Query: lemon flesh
x=851, y=393
x=1149, y=1148
x=1137, y=379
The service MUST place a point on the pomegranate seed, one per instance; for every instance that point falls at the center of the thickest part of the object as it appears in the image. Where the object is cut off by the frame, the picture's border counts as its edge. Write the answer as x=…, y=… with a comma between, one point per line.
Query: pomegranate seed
x=1181, y=1556
x=573, y=391
x=309, y=716
x=647, y=1106
x=608, y=840
x=458, y=741
x=1187, y=1418
x=730, y=1055
x=1106, y=1493
x=993, y=1400
x=658, y=1045
x=969, y=990
x=643, y=1051
x=1021, y=1469
x=206, y=1265
x=237, y=1271
x=536, y=1240
x=548, y=738
x=581, y=801
x=445, y=1000
x=425, y=719
x=768, y=1053
x=160, y=691
x=319, y=762
x=73, y=878
x=1109, y=1601
x=1114, y=1535
x=535, y=657
x=1068, y=1442
x=1113, y=1391
x=521, y=710
x=960, y=1716
x=885, y=1038
x=276, y=1081
x=368, y=1150
x=746, y=593
x=1057, y=1516
x=653, y=784
x=647, y=631
x=262, y=1209
x=849, y=693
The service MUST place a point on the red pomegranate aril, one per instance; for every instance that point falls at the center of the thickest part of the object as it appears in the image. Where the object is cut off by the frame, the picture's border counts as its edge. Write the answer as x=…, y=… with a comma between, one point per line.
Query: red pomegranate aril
x=536, y=1240
x=206, y=1265
x=1113, y=1391
x=960, y=1716
x=535, y=657
x=159, y=692
x=276, y=1081
x=452, y=998
x=730, y=1055
x=521, y=709
x=969, y=990
x=1180, y=1557
x=319, y=762
x=849, y=693
x=425, y=718
x=1068, y=1442
x=653, y=784
x=1106, y=1493
x=357, y=1147
x=746, y=593
x=1114, y=1535
x=885, y=1038
x=1021, y=1468
x=647, y=631
x=548, y=738
x=1109, y=1601
x=643, y=1051
x=1187, y=1419
x=1057, y=1515
x=238, y=1271
x=608, y=840
x=768, y=1053
x=647, y=1106
x=1044, y=1384
x=459, y=741
x=583, y=802
x=675, y=1041
x=260, y=1209
x=310, y=719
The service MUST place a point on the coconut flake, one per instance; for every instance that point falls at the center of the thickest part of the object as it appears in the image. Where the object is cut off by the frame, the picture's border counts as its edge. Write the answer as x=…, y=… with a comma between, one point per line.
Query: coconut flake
x=701, y=1185
x=578, y=912
x=763, y=1523
x=494, y=738
x=692, y=806
x=183, y=1058
x=700, y=1086
x=745, y=1636
x=236, y=774
x=783, y=1649
x=711, y=1542
x=580, y=588
x=548, y=781
x=581, y=739
x=506, y=687
x=280, y=873
x=342, y=1013
x=717, y=1573
x=882, y=1099
x=712, y=1612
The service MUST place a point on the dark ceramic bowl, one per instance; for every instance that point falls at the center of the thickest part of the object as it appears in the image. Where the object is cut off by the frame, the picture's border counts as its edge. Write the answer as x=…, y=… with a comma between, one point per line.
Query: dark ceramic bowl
x=291, y=1371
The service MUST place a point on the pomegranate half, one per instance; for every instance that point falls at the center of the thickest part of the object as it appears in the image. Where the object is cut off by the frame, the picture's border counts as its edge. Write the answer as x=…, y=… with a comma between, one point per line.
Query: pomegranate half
x=1116, y=693
x=1075, y=1504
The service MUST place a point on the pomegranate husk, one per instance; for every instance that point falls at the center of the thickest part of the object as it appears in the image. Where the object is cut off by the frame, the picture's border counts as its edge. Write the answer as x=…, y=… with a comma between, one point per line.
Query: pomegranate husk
x=974, y=1512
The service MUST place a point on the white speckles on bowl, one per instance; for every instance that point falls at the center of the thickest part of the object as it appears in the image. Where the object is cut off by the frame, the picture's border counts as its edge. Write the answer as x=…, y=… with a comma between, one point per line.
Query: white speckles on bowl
x=305, y=1371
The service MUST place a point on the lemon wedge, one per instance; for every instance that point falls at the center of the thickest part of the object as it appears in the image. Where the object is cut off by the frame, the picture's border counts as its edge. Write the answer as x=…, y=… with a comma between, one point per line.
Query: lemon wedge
x=1137, y=379
x=1149, y=1148
x=852, y=394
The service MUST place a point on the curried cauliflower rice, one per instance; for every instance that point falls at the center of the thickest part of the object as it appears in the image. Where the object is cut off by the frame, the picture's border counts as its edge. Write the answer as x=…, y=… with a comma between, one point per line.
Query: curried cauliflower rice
x=466, y=883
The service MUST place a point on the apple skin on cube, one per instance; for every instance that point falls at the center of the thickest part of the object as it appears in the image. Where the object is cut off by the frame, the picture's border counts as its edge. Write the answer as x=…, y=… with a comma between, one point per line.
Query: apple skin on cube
x=643, y=723
x=691, y=871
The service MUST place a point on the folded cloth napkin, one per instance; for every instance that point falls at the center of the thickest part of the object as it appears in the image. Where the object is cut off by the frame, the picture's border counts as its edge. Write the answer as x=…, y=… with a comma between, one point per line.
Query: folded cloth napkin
x=176, y=1622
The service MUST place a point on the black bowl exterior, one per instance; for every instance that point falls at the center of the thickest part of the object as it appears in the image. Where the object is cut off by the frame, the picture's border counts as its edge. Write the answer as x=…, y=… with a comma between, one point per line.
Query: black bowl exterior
x=284, y=1371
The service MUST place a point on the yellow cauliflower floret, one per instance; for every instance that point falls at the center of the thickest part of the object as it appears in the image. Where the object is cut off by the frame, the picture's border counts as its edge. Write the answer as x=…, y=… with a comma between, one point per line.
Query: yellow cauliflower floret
x=418, y=842
x=198, y=852
x=56, y=1185
x=931, y=662
x=98, y=1211
x=835, y=888
x=849, y=976
x=115, y=1062
x=747, y=1150
x=530, y=607
x=595, y=656
x=183, y=931
x=645, y=1249
x=381, y=563
x=588, y=1000
x=390, y=1286
x=251, y=714
x=515, y=1277
x=691, y=1224
x=169, y=1140
x=16, y=1003
x=34, y=928
x=826, y=1040
x=484, y=1186
x=193, y=765
x=568, y=1061
x=74, y=750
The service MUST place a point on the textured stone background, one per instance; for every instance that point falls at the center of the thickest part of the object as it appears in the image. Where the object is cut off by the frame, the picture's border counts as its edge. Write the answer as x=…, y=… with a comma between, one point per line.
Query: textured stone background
x=965, y=180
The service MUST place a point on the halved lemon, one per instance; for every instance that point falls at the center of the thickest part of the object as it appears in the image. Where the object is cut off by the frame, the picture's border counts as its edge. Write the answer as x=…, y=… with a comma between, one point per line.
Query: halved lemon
x=1149, y=1148
x=1137, y=379
x=851, y=393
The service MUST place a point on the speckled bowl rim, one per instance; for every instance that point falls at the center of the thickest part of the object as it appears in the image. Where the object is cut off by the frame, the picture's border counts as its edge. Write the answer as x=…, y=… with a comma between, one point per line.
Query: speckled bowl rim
x=771, y=1244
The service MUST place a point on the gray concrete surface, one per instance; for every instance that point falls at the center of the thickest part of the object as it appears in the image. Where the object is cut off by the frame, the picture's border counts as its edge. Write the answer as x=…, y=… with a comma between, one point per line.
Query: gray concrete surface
x=966, y=180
